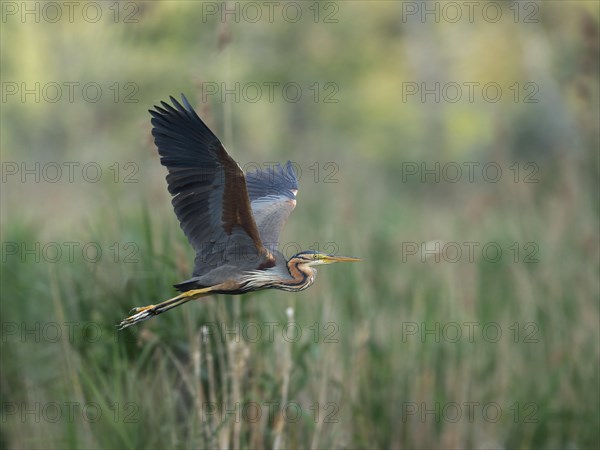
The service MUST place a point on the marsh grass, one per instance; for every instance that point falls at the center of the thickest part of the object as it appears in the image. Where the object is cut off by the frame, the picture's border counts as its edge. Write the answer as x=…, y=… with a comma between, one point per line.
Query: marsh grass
x=377, y=337
x=174, y=382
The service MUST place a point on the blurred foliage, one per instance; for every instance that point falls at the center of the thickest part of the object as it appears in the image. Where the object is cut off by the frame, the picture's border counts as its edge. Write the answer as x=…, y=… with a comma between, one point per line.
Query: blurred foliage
x=162, y=373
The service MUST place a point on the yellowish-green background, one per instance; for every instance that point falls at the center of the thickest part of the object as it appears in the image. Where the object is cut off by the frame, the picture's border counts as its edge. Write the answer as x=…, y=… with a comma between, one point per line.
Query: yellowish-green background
x=152, y=383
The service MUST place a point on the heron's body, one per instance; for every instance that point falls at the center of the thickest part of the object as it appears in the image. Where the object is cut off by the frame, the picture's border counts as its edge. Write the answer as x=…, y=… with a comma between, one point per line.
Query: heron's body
x=232, y=220
x=296, y=276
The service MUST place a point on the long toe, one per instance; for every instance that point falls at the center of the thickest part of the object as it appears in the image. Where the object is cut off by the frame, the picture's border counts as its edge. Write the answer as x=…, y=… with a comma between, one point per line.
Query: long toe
x=138, y=309
x=142, y=314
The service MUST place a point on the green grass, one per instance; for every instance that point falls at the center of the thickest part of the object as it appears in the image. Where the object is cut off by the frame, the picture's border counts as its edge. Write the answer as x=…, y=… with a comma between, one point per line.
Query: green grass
x=378, y=354
x=154, y=382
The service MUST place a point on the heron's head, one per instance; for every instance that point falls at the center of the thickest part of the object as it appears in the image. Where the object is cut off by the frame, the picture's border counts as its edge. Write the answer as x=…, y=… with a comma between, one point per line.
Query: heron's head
x=311, y=258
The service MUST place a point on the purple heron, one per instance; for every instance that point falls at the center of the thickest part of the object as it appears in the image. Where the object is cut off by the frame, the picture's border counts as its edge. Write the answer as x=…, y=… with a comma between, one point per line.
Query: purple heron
x=231, y=220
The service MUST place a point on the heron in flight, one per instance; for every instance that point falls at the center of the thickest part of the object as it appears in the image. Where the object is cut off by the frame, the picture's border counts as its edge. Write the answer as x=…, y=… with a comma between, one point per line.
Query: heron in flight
x=231, y=220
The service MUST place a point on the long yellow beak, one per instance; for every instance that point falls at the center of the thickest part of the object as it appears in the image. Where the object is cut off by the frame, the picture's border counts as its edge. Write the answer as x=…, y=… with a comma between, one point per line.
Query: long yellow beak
x=334, y=259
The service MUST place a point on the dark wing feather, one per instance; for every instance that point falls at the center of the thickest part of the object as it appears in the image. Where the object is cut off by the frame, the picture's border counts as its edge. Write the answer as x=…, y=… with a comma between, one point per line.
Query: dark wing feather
x=272, y=194
x=208, y=187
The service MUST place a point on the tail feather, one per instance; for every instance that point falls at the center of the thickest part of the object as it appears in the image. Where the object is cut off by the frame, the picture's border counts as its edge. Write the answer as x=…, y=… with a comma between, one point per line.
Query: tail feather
x=147, y=312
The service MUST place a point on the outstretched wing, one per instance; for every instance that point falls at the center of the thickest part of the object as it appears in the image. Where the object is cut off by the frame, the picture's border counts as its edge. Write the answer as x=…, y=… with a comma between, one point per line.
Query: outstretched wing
x=208, y=187
x=272, y=194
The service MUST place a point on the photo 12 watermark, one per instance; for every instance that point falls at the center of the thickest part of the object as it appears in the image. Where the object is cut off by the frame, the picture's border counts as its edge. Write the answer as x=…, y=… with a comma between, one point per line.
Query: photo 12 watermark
x=55, y=252
x=69, y=172
x=467, y=11
x=252, y=412
x=69, y=92
x=270, y=11
x=253, y=332
x=469, y=92
x=470, y=332
x=470, y=252
x=468, y=411
x=316, y=172
x=70, y=11
x=468, y=172
x=270, y=91
x=69, y=412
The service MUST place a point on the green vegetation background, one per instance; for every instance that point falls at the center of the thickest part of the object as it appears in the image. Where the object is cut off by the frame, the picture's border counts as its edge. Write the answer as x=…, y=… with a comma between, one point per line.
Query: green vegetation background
x=152, y=383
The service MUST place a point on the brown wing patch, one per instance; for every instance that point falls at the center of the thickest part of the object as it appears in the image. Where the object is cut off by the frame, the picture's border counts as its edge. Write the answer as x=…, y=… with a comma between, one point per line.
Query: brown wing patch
x=236, y=203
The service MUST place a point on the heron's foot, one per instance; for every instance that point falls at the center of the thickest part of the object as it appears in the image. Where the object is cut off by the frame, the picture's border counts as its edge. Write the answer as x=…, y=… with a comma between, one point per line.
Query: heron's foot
x=147, y=312
x=141, y=308
x=141, y=313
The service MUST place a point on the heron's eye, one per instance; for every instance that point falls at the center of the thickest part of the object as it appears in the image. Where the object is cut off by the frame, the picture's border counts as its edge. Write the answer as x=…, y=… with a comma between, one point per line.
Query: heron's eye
x=315, y=256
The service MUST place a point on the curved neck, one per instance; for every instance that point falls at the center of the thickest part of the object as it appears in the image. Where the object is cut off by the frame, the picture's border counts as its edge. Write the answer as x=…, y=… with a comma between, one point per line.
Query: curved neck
x=302, y=276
